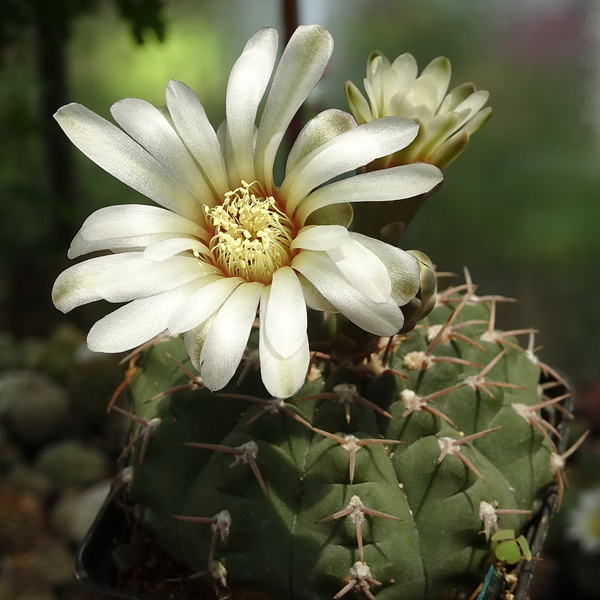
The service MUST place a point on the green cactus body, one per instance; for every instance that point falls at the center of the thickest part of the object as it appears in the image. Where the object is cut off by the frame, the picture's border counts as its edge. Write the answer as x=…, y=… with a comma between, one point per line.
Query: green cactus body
x=337, y=491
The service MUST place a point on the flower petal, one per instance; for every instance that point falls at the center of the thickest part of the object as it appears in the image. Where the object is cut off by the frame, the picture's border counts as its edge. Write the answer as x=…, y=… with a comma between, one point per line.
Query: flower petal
x=478, y=120
x=125, y=159
x=247, y=84
x=300, y=68
x=136, y=322
x=455, y=96
x=195, y=130
x=403, y=269
x=358, y=104
x=346, y=152
x=283, y=318
x=141, y=278
x=474, y=103
x=282, y=377
x=161, y=250
x=319, y=130
x=395, y=183
x=436, y=131
x=320, y=237
x=335, y=214
x=363, y=270
x=194, y=340
x=77, y=284
x=377, y=66
x=226, y=340
x=203, y=303
x=406, y=69
x=379, y=319
x=127, y=220
x=79, y=246
x=440, y=70
x=313, y=298
x=148, y=126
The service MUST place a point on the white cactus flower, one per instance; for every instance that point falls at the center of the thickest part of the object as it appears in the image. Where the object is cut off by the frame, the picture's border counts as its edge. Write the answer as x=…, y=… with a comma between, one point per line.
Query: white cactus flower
x=584, y=521
x=227, y=242
x=447, y=119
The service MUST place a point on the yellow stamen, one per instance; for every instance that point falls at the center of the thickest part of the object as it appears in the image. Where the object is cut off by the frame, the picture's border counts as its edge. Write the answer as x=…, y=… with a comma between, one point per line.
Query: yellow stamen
x=252, y=236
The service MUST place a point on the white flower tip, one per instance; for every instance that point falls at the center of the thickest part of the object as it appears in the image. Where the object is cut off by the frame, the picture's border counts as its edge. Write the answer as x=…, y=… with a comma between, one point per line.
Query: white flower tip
x=63, y=111
x=174, y=85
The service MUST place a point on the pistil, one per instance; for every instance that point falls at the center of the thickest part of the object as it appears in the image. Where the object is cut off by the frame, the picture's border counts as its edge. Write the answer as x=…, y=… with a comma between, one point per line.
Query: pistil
x=252, y=236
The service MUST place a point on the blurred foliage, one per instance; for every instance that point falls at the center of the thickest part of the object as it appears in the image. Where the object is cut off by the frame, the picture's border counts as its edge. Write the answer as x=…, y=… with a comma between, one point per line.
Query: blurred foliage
x=17, y=16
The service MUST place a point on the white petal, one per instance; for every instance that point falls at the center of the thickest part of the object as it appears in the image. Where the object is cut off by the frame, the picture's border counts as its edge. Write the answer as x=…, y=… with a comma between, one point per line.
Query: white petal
x=125, y=159
x=396, y=183
x=347, y=152
x=474, y=103
x=437, y=130
x=400, y=106
x=375, y=98
x=195, y=130
x=424, y=92
x=282, y=377
x=147, y=125
x=202, y=304
x=440, y=70
x=247, y=84
x=194, y=340
x=125, y=220
x=224, y=344
x=141, y=278
x=79, y=246
x=403, y=268
x=320, y=270
x=225, y=143
x=320, y=237
x=136, y=322
x=320, y=129
x=406, y=69
x=455, y=96
x=283, y=318
x=164, y=249
x=300, y=68
x=377, y=66
x=358, y=104
x=77, y=285
x=313, y=298
x=363, y=270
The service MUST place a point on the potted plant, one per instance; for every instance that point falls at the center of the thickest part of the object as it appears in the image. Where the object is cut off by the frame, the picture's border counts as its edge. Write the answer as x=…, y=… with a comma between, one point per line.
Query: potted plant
x=367, y=435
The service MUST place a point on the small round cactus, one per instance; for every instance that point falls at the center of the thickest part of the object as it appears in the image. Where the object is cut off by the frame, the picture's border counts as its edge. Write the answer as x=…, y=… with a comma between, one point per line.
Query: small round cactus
x=384, y=477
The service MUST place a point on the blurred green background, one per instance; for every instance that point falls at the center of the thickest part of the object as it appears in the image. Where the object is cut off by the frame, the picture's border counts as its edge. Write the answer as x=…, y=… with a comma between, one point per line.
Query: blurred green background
x=519, y=207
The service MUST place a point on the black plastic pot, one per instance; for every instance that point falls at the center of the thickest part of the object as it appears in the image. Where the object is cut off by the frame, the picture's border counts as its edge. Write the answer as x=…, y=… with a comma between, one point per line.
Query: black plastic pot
x=94, y=562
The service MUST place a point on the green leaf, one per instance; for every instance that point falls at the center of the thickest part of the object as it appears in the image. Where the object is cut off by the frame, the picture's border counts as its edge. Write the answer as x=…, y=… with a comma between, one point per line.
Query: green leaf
x=509, y=552
x=503, y=534
x=522, y=541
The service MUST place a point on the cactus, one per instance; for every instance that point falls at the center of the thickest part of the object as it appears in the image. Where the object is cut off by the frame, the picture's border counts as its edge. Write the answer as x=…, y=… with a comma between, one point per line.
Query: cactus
x=372, y=478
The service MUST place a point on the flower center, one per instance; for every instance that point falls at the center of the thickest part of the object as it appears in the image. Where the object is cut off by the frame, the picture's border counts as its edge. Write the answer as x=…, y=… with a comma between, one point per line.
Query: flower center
x=252, y=236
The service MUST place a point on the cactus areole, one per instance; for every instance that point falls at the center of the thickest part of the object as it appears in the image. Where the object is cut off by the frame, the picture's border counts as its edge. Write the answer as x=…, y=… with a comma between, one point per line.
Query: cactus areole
x=311, y=419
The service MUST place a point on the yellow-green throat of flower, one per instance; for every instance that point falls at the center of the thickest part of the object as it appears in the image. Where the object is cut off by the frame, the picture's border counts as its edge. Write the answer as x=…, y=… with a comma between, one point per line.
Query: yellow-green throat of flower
x=252, y=236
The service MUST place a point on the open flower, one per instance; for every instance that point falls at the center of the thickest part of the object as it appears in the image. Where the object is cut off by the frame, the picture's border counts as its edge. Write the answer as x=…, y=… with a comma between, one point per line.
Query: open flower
x=447, y=120
x=228, y=242
x=584, y=521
